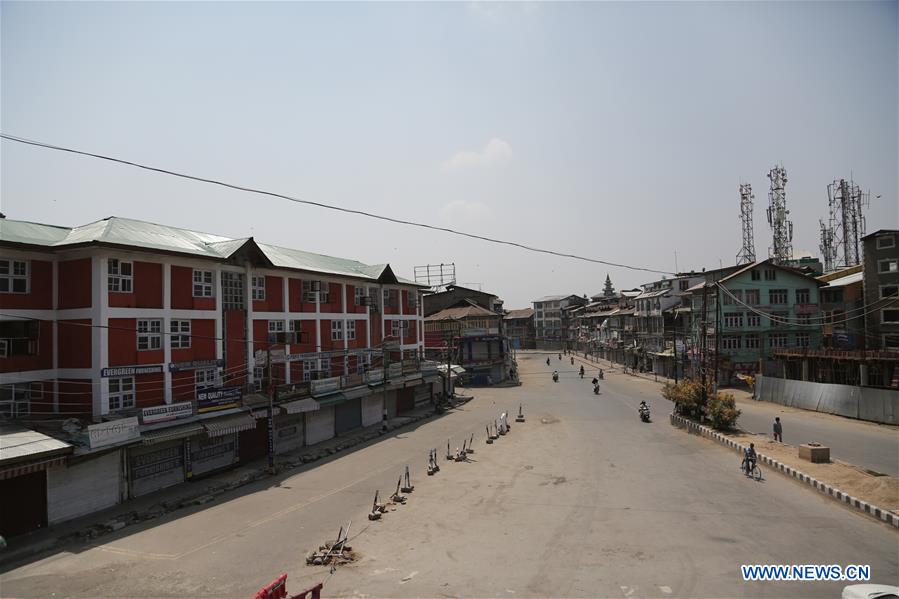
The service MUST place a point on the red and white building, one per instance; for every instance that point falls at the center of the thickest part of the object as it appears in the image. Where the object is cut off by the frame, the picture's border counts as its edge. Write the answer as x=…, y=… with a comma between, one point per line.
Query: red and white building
x=160, y=336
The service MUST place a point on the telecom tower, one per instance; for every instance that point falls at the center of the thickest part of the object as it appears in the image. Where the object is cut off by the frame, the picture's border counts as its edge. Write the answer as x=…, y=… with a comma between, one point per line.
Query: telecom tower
x=841, y=237
x=782, y=249
x=747, y=254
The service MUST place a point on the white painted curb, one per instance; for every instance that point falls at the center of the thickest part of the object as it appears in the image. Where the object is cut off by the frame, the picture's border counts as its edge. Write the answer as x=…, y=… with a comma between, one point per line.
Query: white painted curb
x=862, y=506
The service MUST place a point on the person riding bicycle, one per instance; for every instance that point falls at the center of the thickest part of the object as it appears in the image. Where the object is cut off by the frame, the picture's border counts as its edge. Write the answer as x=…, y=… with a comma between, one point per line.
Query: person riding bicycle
x=749, y=457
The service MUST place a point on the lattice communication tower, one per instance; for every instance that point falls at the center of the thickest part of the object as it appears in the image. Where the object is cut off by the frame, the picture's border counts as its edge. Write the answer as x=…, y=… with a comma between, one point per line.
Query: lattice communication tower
x=842, y=236
x=782, y=248
x=436, y=276
x=747, y=254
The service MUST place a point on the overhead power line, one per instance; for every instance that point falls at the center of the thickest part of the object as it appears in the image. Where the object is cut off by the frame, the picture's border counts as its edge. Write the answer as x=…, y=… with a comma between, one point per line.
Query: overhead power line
x=273, y=194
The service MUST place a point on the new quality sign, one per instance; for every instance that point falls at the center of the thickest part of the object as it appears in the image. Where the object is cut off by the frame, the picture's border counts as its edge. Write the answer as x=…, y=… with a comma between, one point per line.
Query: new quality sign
x=217, y=398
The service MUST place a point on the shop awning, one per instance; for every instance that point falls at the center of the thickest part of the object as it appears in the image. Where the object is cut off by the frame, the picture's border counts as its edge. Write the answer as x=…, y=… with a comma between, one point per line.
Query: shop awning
x=230, y=425
x=330, y=399
x=28, y=468
x=171, y=433
x=307, y=404
x=263, y=412
x=356, y=392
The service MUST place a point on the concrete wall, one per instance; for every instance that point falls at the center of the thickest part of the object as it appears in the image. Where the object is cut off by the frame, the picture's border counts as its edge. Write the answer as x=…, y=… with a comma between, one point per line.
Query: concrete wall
x=864, y=403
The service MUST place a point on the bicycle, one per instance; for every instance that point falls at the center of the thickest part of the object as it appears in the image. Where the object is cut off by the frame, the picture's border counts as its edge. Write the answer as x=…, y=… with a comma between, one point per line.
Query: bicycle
x=755, y=472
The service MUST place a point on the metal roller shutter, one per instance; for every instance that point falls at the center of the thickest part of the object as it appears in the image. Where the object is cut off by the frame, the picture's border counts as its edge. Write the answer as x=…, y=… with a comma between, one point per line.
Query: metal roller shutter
x=208, y=454
x=348, y=416
x=84, y=488
x=405, y=400
x=371, y=409
x=319, y=425
x=288, y=433
x=155, y=467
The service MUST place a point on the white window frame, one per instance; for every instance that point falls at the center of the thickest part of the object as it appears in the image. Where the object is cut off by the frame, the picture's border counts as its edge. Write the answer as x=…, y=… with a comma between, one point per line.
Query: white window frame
x=149, y=330
x=893, y=261
x=309, y=367
x=351, y=330
x=753, y=320
x=753, y=293
x=752, y=341
x=336, y=330
x=808, y=293
x=275, y=326
x=4, y=348
x=772, y=272
x=179, y=334
x=258, y=375
x=781, y=339
x=325, y=367
x=117, y=280
x=203, y=283
x=884, y=246
x=257, y=285
x=731, y=342
x=733, y=320
x=122, y=394
x=9, y=274
x=885, y=345
x=395, y=328
x=358, y=294
x=803, y=340
x=313, y=297
x=883, y=315
x=206, y=377
x=893, y=286
x=786, y=296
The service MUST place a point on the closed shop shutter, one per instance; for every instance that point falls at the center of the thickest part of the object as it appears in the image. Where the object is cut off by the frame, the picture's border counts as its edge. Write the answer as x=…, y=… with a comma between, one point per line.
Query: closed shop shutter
x=208, y=454
x=84, y=487
x=422, y=394
x=391, y=404
x=254, y=442
x=23, y=503
x=405, y=400
x=371, y=409
x=156, y=467
x=348, y=416
x=288, y=433
x=319, y=425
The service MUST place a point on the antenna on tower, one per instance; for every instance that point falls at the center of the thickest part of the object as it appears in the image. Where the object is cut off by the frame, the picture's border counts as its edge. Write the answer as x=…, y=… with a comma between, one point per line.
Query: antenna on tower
x=846, y=224
x=747, y=254
x=782, y=248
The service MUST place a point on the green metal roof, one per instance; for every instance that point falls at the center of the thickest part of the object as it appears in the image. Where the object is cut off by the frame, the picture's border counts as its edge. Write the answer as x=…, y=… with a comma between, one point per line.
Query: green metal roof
x=150, y=236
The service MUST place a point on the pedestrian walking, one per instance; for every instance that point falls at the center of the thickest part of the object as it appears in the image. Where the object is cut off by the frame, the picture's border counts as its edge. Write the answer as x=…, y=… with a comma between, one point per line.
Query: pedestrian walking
x=778, y=430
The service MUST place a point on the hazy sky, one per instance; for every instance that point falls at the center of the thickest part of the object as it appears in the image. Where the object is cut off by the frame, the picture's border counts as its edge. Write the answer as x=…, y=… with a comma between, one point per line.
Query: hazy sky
x=619, y=131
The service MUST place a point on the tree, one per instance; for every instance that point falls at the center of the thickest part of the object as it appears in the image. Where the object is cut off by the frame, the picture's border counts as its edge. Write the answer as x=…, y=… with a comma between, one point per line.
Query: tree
x=608, y=290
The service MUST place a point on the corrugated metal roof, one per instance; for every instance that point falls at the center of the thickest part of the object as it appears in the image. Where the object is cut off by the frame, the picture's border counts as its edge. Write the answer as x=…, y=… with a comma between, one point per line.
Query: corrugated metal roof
x=18, y=443
x=523, y=313
x=855, y=277
x=461, y=312
x=143, y=235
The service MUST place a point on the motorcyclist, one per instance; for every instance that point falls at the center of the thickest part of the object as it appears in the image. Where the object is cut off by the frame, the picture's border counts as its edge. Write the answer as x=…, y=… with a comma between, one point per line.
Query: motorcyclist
x=643, y=407
x=582, y=371
x=560, y=356
x=555, y=375
x=572, y=361
x=596, y=386
x=749, y=457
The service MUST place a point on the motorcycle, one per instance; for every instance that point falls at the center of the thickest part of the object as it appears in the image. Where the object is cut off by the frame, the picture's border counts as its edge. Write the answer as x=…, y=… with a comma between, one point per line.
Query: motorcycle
x=602, y=375
x=572, y=361
x=555, y=377
x=644, y=414
x=582, y=372
x=596, y=389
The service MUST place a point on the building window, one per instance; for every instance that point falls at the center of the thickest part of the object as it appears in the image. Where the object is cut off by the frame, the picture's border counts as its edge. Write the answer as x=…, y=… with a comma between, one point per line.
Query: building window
x=885, y=242
x=753, y=320
x=180, y=334
x=890, y=265
x=412, y=302
x=683, y=285
x=733, y=297
x=733, y=319
x=777, y=340
x=276, y=326
x=891, y=342
x=394, y=328
x=752, y=341
x=232, y=291
x=730, y=342
x=203, y=281
x=119, y=276
x=149, y=334
x=803, y=296
x=779, y=319
x=206, y=377
x=770, y=274
x=258, y=288
x=258, y=378
x=889, y=316
x=802, y=340
x=309, y=370
x=390, y=298
x=756, y=275
x=777, y=296
x=18, y=338
x=121, y=393
x=832, y=296
x=326, y=367
x=358, y=294
x=13, y=276
x=315, y=291
x=15, y=399
x=336, y=330
x=351, y=330
x=889, y=291
x=803, y=319
x=753, y=297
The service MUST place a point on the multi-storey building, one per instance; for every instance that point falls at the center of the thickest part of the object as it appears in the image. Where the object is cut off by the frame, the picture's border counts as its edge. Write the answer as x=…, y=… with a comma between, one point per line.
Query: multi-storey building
x=842, y=309
x=169, y=340
x=471, y=336
x=551, y=326
x=519, y=328
x=761, y=307
x=881, y=267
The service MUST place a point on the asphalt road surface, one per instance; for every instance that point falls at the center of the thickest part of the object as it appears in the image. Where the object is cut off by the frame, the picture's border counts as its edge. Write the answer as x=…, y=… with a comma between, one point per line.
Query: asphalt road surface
x=582, y=500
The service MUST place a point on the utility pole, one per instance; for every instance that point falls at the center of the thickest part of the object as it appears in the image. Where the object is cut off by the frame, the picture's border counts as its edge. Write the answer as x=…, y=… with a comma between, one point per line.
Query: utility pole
x=272, y=392
x=703, y=345
x=717, y=331
x=674, y=334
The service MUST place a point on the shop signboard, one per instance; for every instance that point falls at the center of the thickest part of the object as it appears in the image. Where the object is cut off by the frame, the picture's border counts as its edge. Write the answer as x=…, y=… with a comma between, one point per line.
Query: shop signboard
x=113, y=432
x=167, y=412
x=210, y=399
x=116, y=371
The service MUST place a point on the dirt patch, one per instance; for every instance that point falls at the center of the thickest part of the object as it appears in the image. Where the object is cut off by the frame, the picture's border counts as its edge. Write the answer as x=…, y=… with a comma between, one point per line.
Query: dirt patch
x=549, y=420
x=878, y=489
